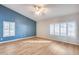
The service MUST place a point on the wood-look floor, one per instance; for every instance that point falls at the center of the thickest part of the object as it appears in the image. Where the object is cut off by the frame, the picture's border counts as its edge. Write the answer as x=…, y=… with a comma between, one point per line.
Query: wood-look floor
x=38, y=46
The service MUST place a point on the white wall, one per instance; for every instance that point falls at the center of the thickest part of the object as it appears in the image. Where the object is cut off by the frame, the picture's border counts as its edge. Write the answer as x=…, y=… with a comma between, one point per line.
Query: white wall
x=43, y=27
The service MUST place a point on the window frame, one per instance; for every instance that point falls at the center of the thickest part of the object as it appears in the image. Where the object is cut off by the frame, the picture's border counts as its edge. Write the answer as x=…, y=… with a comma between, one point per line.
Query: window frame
x=9, y=29
x=65, y=29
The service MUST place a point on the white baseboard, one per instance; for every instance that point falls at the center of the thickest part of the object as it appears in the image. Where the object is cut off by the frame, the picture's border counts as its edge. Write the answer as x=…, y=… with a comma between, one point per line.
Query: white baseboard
x=60, y=40
x=18, y=39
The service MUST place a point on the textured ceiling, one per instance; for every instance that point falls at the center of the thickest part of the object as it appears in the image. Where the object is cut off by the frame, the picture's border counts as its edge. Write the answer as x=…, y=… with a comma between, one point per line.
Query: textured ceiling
x=54, y=10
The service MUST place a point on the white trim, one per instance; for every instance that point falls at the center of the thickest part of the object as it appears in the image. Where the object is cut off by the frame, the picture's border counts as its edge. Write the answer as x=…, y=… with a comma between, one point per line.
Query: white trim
x=17, y=39
x=60, y=41
x=75, y=43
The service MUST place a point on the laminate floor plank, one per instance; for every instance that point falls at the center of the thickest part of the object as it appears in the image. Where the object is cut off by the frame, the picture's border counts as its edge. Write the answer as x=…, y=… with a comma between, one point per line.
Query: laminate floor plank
x=38, y=46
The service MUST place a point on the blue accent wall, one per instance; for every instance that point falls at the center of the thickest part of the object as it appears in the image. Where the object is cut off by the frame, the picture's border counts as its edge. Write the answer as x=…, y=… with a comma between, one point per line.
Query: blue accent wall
x=25, y=27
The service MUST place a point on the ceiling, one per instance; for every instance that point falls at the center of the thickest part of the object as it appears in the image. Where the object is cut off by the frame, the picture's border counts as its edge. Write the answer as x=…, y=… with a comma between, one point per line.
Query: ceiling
x=53, y=10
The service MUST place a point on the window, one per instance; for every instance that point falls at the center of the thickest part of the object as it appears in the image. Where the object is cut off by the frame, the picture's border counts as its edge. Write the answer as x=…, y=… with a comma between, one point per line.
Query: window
x=12, y=29
x=8, y=29
x=5, y=29
x=56, y=29
x=64, y=29
x=72, y=29
x=51, y=28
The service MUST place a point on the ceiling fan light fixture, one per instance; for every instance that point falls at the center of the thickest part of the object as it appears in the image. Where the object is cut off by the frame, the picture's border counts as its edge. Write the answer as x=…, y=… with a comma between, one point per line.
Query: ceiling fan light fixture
x=39, y=9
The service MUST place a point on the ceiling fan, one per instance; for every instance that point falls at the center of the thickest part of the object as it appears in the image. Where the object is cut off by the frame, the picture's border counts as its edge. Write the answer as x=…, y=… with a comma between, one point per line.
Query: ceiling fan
x=39, y=9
